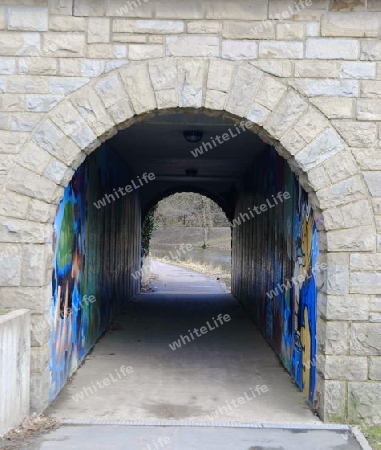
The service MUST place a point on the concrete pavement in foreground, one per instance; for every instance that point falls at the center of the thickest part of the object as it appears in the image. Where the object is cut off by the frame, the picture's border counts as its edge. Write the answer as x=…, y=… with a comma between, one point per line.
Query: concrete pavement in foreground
x=203, y=380
x=191, y=438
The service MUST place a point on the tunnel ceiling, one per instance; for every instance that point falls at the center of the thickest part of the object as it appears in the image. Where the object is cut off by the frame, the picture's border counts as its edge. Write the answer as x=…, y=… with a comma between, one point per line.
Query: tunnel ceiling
x=158, y=145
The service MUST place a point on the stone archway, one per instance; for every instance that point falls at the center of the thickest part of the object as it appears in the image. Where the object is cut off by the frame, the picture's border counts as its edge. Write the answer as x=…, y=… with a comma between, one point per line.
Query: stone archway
x=280, y=115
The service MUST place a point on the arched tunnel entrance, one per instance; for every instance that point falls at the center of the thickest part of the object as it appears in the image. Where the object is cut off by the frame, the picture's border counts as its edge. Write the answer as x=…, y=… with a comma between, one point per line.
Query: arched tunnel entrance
x=97, y=257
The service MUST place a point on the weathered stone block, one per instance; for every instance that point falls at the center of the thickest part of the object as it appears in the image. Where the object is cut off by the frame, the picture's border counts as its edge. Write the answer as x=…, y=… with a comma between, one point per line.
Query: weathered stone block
x=321, y=149
x=338, y=169
x=356, y=69
x=10, y=265
x=27, y=85
x=281, y=49
x=139, y=87
x=71, y=123
x=327, y=48
x=370, y=49
x=231, y=10
x=34, y=158
x=328, y=88
x=332, y=396
x=347, y=307
x=368, y=109
x=20, y=44
x=64, y=44
x=290, y=31
x=140, y=52
x=7, y=65
x=166, y=99
x=51, y=139
x=366, y=282
x=40, y=211
x=65, y=85
x=277, y=67
x=340, y=193
x=239, y=50
x=215, y=100
x=248, y=30
x=34, y=261
x=190, y=83
x=148, y=26
x=375, y=368
x=270, y=92
x=373, y=180
x=365, y=339
x=110, y=90
x=192, y=45
x=353, y=239
x=258, y=114
x=364, y=402
x=12, y=141
x=37, y=300
x=287, y=113
x=163, y=74
x=37, y=66
x=42, y=103
x=90, y=107
x=106, y=51
x=89, y=8
x=220, y=75
x=359, y=25
x=66, y=23
x=204, y=26
x=335, y=107
x=246, y=81
x=98, y=30
x=64, y=7
x=351, y=368
x=317, y=69
x=357, y=134
x=27, y=19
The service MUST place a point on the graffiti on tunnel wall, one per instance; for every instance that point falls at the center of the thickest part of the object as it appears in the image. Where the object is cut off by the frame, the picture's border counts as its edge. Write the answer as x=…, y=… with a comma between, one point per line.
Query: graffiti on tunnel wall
x=281, y=261
x=95, y=251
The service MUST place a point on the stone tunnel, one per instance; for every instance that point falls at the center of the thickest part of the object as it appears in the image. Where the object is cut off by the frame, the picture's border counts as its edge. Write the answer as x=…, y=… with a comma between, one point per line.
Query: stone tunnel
x=282, y=117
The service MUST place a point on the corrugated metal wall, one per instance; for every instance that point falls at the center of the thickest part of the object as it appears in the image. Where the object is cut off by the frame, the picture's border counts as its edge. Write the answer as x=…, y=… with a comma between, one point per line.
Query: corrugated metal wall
x=96, y=250
x=275, y=248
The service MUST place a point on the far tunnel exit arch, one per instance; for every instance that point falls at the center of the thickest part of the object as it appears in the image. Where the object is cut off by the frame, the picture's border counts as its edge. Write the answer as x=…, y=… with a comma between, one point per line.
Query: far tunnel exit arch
x=125, y=96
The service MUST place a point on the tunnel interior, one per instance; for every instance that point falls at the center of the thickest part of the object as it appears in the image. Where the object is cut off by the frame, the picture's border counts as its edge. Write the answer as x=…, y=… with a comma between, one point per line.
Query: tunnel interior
x=97, y=234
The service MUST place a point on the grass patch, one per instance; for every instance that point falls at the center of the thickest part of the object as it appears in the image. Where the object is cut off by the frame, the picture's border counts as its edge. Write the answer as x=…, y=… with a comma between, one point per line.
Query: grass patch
x=373, y=434
x=3, y=311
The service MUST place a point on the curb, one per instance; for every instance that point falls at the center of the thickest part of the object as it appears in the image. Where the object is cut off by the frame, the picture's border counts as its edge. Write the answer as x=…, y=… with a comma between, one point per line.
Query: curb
x=187, y=423
x=360, y=438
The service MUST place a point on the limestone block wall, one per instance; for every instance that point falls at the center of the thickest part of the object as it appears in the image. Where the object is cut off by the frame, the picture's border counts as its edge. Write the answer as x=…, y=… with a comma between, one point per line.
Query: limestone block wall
x=73, y=72
x=14, y=368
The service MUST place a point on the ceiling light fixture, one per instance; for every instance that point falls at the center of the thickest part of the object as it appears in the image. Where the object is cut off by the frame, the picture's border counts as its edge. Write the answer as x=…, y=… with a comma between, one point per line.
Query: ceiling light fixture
x=192, y=135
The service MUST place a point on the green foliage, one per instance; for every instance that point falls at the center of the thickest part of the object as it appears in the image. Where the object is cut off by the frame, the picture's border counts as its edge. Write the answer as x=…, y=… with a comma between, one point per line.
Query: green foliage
x=373, y=434
x=149, y=226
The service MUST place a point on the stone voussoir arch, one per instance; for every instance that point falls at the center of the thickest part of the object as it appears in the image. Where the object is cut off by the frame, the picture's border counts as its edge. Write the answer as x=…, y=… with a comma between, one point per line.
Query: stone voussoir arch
x=280, y=115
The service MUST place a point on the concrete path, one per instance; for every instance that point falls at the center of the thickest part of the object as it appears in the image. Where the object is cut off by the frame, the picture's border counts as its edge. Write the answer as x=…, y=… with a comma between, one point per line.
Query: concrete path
x=227, y=374
x=191, y=438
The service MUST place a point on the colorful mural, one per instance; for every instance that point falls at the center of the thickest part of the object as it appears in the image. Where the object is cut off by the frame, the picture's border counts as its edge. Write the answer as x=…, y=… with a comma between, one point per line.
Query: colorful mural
x=95, y=251
x=282, y=299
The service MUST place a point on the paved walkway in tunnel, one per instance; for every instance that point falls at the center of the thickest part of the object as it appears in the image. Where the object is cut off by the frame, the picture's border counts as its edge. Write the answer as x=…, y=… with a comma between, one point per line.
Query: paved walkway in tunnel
x=228, y=374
